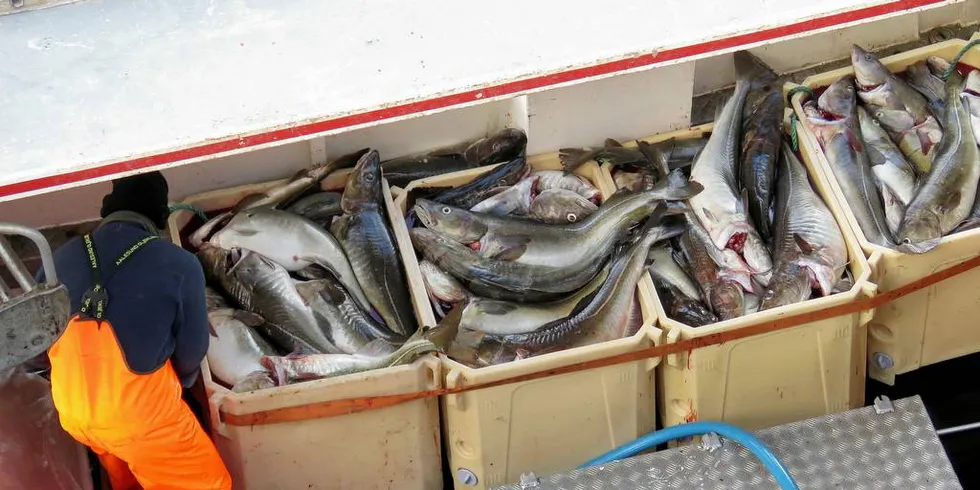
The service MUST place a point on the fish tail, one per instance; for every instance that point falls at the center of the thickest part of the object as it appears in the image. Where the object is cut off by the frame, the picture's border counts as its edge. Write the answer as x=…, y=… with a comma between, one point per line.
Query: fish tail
x=573, y=158
x=676, y=187
x=749, y=68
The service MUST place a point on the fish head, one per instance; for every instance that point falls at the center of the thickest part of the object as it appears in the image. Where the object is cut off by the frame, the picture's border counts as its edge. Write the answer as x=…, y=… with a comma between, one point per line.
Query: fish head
x=454, y=222
x=894, y=120
x=434, y=246
x=840, y=98
x=363, y=188
x=868, y=70
x=823, y=277
x=727, y=299
x=503, y=146
x=937, y=66
x=789, y=284
x=214, y=260
x=921, y=232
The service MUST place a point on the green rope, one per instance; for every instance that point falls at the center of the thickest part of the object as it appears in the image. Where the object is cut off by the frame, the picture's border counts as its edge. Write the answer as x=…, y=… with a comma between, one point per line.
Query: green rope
x=793, y=120
x=189, y=207
x=956, y=59
x=797, y=89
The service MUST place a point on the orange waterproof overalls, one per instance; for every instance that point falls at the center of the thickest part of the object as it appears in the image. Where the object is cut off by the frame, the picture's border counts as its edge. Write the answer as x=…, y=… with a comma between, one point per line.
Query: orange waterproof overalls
x=138, y=425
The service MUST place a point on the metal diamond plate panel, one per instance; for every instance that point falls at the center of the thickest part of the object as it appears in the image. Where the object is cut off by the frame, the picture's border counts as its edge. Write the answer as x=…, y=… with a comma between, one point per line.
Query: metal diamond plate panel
x=854, y=450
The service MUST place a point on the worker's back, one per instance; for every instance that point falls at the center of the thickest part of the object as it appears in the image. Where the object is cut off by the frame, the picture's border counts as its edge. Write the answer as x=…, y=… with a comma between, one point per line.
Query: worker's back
x=150, y=298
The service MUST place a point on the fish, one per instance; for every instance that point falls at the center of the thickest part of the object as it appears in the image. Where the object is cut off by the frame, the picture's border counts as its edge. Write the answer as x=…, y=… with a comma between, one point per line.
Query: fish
x=424, y=341
x=895, y=176
x=441, y=287
x=501, y=279
x=263, y=287
x=303, y=181
x=502, y=146
x=532, y=243
x=681, y=307
x=721, y=208
x=368, y=242
x=751, y=303
x=634, y=181
x=296, y=368
x=946, y=195
x=919, y=77
x=971, y=99
x=515, y=199
x=482, y=187
x=902, y=111
x=346, y=325
x=508, y=317
x=235, y=347
x=603, y=315
x=682, y=152
x=663, y=266
x=612, y=152
x=319, y=208
x=762, y=128
x=938, y=67
x=716, y=282
x=558, y=206
x=840, y=137
x=556, y=179
x=807, y=240
x=291, y=241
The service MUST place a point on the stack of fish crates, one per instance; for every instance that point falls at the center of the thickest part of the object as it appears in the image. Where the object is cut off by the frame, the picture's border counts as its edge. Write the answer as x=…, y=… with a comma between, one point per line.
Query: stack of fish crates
x=551, y=424
x=393, y=447
x=928, y=326
x=812, y=369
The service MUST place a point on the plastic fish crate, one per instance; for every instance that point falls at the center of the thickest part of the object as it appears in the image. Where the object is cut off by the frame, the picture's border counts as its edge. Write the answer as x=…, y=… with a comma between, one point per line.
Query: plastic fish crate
x=397, y=447
x=931, y=325
x=549, y=424
x=804, y=371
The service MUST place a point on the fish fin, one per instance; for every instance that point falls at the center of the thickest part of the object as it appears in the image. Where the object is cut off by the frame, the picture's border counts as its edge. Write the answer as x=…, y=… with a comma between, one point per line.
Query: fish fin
x=802, y=244
x=350, y=159
x=332, y=292
x=573, y=158
x=248, y=318
x=749, y=67
x=309, y=291
x=612, y=143
x=951, y=202
x=655, y=156
x=741, y=205
x=248, y=201
x=509, y=248
x=708, y=214
x=677, y=187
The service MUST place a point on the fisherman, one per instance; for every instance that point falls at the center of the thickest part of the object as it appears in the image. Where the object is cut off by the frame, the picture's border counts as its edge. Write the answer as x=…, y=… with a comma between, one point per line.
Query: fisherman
x=137, y=335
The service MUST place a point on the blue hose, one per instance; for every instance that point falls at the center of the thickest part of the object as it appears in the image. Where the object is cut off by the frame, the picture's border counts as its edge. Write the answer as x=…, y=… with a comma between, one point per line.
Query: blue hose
x=752, y=443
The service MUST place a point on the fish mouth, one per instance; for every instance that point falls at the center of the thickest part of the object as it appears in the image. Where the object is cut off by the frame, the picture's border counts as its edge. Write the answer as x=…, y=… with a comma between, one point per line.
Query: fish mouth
x=918, y=248
x=422, y=213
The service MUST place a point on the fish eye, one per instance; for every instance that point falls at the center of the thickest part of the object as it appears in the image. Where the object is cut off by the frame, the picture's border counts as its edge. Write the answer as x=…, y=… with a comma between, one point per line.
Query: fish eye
x=446, y=210
x=571, y=217
x=368, y=177
x=869, y=57
x=502, y=182
x=907, y=241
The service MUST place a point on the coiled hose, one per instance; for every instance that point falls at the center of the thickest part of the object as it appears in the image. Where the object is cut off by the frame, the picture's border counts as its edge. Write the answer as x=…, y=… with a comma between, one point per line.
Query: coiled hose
x=752, y=443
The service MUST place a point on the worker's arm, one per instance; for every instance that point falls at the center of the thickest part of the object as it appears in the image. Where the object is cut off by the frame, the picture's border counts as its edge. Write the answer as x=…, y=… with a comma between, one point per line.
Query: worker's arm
x=192, y=326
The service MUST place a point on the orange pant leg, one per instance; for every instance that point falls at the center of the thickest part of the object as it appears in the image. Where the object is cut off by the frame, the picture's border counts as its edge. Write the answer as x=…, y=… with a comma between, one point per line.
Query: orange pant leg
x=178, y=456
x=120, y=476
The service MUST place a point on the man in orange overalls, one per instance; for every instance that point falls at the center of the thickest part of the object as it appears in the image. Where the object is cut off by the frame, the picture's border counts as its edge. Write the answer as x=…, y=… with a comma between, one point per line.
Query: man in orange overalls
x=138, y=334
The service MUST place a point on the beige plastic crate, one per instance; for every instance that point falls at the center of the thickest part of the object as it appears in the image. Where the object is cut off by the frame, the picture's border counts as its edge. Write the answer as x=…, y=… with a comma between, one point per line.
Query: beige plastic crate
x=931, y=325
x=761, y=381
x=397, y=447
x=551, y=424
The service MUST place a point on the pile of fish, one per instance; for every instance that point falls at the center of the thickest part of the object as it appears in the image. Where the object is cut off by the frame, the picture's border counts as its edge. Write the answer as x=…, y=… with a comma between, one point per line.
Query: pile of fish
x=305, y=284
x=903, y=148
x=526, y=262
x=758, y=236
